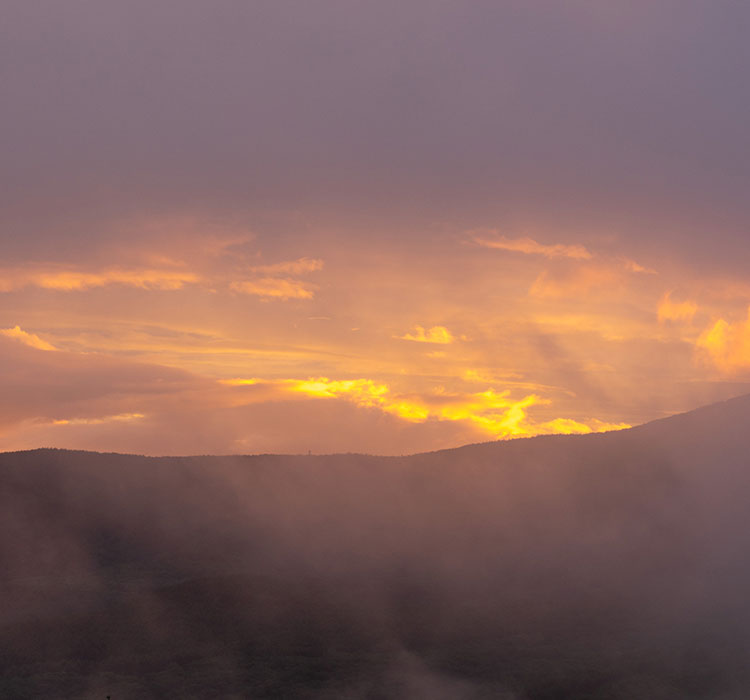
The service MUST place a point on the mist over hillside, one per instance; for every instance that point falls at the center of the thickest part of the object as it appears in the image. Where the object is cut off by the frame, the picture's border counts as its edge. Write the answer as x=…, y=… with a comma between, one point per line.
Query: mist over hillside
x=600, y=566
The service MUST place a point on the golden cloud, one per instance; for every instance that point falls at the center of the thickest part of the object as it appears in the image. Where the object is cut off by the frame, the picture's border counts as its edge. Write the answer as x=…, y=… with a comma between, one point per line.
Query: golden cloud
x=568, y=426
x=30, y=339
x=275, y=288
x=529, y=246
x=727, y=344
x=437, y=334
x=119, y=418
x=494, y=413
x=676, y=311
x=74, y=280
x=300, y=266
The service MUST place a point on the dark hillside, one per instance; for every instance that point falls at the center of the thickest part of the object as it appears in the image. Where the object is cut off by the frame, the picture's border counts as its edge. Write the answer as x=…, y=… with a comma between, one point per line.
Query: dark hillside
x=602, y=566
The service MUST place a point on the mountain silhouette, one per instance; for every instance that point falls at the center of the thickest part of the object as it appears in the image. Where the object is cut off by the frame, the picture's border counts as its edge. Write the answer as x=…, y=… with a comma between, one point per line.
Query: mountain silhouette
x=611, y=566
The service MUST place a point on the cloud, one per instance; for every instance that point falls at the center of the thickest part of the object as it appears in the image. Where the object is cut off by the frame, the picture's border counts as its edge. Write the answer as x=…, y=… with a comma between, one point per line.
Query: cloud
x=573, y=282
x=119, y=418
x=727, y=344
x=493, y=413
x=437, y=334
x=574, y=270
x=70, y=279
x=94, y=401
x=30, y=339
x=271, y=286
x=300, y=266
x=633, y=266
x=529, y=246
x=567, y=426
x=275, y=288
x=170, y=276
x=676, y=311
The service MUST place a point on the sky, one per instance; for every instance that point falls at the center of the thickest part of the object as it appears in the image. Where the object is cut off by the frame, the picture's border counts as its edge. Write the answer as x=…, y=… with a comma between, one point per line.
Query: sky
x=387, y=227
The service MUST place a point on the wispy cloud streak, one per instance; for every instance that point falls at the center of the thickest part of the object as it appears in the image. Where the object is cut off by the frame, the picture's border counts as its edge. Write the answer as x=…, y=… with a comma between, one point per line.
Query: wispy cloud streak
x=71, y=279
x=529, y=246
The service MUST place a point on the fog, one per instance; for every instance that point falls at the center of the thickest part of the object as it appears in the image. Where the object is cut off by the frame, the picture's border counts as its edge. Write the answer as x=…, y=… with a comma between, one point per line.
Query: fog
x=599, y=566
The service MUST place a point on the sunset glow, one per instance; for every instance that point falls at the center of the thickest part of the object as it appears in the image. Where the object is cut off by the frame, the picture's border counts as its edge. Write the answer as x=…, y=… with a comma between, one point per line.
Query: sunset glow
x=390, y=238
x=514, y=339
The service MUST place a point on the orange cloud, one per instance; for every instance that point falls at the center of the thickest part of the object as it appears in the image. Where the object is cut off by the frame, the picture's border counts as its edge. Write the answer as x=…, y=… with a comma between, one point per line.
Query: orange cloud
x=437, y=334
x=271, y=286
x=494, y=413
x=576, y=282
x=74, y=280
x=275, y=288
x=300, y=266
x=531, y=247
x=30, y=339
x=633, y=266
x=727, y=344
x=568, y=426
x=676, y=311
x=119, y=418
